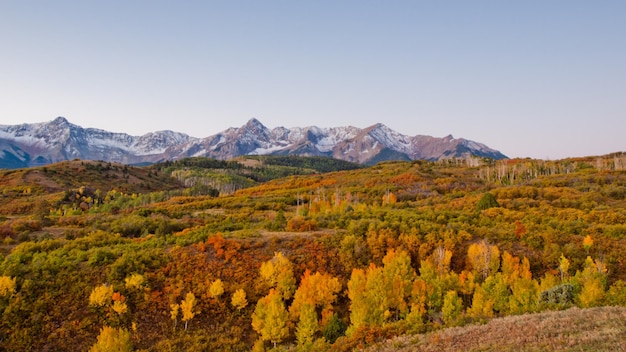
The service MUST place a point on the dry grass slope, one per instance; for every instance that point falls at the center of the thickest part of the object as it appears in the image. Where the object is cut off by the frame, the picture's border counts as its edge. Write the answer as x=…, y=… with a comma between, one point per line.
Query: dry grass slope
x=593, y=329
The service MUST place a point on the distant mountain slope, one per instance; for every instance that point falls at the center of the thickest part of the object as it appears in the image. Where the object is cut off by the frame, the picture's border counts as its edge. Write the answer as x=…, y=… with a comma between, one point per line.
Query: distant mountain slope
x=48, y=142
x=21, y=187
x=60, y=177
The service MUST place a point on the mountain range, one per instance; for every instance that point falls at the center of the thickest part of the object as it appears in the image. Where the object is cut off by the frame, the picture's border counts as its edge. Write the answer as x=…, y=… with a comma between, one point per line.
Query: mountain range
x=43, y=143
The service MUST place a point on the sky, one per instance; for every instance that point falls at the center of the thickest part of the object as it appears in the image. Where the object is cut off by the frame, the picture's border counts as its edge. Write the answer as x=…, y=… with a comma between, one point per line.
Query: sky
x=541, y=79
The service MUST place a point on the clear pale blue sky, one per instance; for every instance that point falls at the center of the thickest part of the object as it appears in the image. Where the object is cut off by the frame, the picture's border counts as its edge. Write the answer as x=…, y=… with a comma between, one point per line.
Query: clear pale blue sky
x=541, y=79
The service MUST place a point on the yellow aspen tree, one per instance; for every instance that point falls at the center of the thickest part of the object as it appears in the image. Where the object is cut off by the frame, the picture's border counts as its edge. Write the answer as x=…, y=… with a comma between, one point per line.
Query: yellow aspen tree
x=524, y=295
x=239, y=300
x=216, y=289
x=592, y=283
x=419, y=296
x=101, y=296
x=548, y=281
x=524, y=269
x=307, y=327
x=497, y=290
x=7, y=286
x=467, y=283
x=119, y=307
x=135, y=282
x=587, y=243
x=510, y=267
x=174, y=309
x=563, y=267
x=270, y=318
x=434, y=289
x=278, y=273
x=119, y=303
x=591, y=293
x=318, y=290
x=357, y=293
x=483, y=258
x=616, y=294
x=398, y=277
x=482, y=307
x=435, y=271
x=452, y=308
x=441, y=259
x=376, y=295
x=187, y=308
x=111, y=339
x=390, y=198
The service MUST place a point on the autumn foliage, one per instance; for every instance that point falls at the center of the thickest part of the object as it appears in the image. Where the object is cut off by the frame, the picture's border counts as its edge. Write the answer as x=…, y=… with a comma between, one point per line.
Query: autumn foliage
x=331, y=261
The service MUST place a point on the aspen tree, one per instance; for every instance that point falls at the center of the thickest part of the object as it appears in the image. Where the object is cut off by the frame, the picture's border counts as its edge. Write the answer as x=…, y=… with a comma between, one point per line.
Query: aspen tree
x=216, y=289
x=587, y=243
x=318, y=290
x=398, y=277
x=307, y=326
x=563, y=266
x=359, y=307
x=100, y=296
x=111, y=339
x=278, y=273
x=239, y=300
x=452, y=306
x=592, y=283
x=187, y=308
x=174, y=309
x=484, y=258
x=7, y=285
x=270, y=318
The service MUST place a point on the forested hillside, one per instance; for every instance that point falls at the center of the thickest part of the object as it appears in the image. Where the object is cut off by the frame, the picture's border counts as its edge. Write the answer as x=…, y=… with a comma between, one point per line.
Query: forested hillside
x=227, y=176
x=325, y=261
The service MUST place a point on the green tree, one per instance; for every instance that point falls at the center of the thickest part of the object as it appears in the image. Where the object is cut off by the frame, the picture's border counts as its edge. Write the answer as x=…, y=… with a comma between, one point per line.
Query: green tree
x=333, y=328
x=487, y=201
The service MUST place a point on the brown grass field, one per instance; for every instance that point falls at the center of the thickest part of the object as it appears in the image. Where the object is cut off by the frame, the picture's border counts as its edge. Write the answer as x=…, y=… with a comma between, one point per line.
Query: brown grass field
x=593, y=329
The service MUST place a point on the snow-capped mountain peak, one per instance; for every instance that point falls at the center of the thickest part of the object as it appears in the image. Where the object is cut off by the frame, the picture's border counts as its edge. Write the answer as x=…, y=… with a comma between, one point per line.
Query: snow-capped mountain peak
x=41, y=143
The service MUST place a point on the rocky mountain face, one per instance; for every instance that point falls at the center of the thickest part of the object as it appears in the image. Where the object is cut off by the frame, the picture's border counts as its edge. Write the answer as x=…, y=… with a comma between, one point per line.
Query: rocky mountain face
x=48, y=142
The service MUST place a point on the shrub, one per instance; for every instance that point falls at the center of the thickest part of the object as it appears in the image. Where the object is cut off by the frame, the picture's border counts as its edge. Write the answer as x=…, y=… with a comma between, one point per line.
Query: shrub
x=487, y=201
x=559, y=295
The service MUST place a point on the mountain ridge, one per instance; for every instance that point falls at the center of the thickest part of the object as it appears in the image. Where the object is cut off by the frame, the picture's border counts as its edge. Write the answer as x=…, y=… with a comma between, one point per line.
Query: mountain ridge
x=43, y=143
